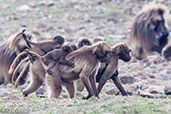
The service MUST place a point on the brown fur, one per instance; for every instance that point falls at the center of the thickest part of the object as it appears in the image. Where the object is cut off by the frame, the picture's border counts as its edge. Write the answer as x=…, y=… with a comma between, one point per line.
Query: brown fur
x=8, y=52
x=146, y=36
x=82, y=42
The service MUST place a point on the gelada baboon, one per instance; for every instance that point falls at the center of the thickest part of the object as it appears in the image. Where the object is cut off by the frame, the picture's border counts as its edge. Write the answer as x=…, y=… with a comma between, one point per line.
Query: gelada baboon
x=8, y=51
x=149, y=33
x=84, y=42
x=52, y=58
x=109, y=71
x=86, y=60
x=46, y=46
x=166, y=52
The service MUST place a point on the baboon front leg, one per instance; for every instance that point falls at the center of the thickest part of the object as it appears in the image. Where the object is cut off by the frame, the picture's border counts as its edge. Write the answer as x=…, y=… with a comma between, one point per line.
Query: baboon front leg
x=87, y=84
x=119, y=85
x=104, y=78
x=93, y=83
x=70, y=88
x=34, y=85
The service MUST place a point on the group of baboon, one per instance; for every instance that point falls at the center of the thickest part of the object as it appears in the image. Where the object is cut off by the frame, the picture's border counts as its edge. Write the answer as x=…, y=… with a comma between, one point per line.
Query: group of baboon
x=59, y=64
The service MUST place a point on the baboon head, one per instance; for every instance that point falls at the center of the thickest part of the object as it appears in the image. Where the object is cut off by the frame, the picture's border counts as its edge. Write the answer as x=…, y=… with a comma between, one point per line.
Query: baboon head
x=84, y=42
x=149, y=33
x=166, y=52
x=18, y=41
x=102, y=51
x=59, y=39
x=157, y=25
x=67, y=49
x=123, y=51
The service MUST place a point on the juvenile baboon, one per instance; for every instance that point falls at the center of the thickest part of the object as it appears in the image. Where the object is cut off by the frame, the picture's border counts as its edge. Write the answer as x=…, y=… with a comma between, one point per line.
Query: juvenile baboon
x=149, y=33
x=109, y=71
x=86, y=62
x=53, y=57
x=47, y=46
x=84, y=42
x=8, y=51
x=166, y=52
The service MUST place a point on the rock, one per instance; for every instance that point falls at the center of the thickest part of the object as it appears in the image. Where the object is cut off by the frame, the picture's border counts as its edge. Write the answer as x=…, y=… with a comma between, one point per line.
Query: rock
x=127, y=80
x=167, y=89
x=41, y=25
x=97, y=40
x=24, y=8
x=114, y=91
x=40, y=92
x=155, y=89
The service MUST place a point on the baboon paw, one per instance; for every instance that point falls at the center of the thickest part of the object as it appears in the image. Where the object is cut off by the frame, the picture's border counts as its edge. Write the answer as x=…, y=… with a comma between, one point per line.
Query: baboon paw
x=25, y=94
x=85, y=98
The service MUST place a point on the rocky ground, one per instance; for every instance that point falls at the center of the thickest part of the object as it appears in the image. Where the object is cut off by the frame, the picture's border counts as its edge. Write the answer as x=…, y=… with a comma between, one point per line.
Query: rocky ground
x=108, y=20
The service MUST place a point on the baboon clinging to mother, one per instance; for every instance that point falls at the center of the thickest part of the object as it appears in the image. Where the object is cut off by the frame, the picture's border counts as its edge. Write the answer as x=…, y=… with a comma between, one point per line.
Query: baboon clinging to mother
x=149, y=33
x=53, y=57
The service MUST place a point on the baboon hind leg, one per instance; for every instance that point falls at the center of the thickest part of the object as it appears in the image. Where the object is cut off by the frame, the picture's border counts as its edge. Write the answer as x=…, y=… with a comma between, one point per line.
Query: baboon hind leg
x=93, y=83
x=70, y=88
x=35, y=83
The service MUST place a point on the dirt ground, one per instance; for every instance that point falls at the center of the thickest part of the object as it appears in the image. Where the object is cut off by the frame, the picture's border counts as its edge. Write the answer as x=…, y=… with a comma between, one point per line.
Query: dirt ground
x=108, y=20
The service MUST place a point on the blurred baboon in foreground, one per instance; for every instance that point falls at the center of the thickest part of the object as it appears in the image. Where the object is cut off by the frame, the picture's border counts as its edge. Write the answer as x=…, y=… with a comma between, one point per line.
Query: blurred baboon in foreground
x=149, y=33
x=8, y=52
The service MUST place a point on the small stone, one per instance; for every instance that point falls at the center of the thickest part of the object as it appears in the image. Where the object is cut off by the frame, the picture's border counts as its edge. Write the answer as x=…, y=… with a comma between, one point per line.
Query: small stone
x=167, y=89
x=24, y=8
x=127, y=80
x=113, y=92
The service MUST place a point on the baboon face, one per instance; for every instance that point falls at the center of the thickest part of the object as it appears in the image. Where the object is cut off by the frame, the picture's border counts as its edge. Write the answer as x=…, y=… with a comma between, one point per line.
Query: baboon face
x=67, y=49
x=157, y=24
x=166, y=53
x=102, y=52
x=85, y=43
x=124, y=53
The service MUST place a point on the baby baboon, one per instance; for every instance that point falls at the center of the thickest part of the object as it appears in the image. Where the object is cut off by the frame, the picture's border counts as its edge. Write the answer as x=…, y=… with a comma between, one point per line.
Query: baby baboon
x=53, y=57
x=47, y=46
x=84, y=42
x=149, y=33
